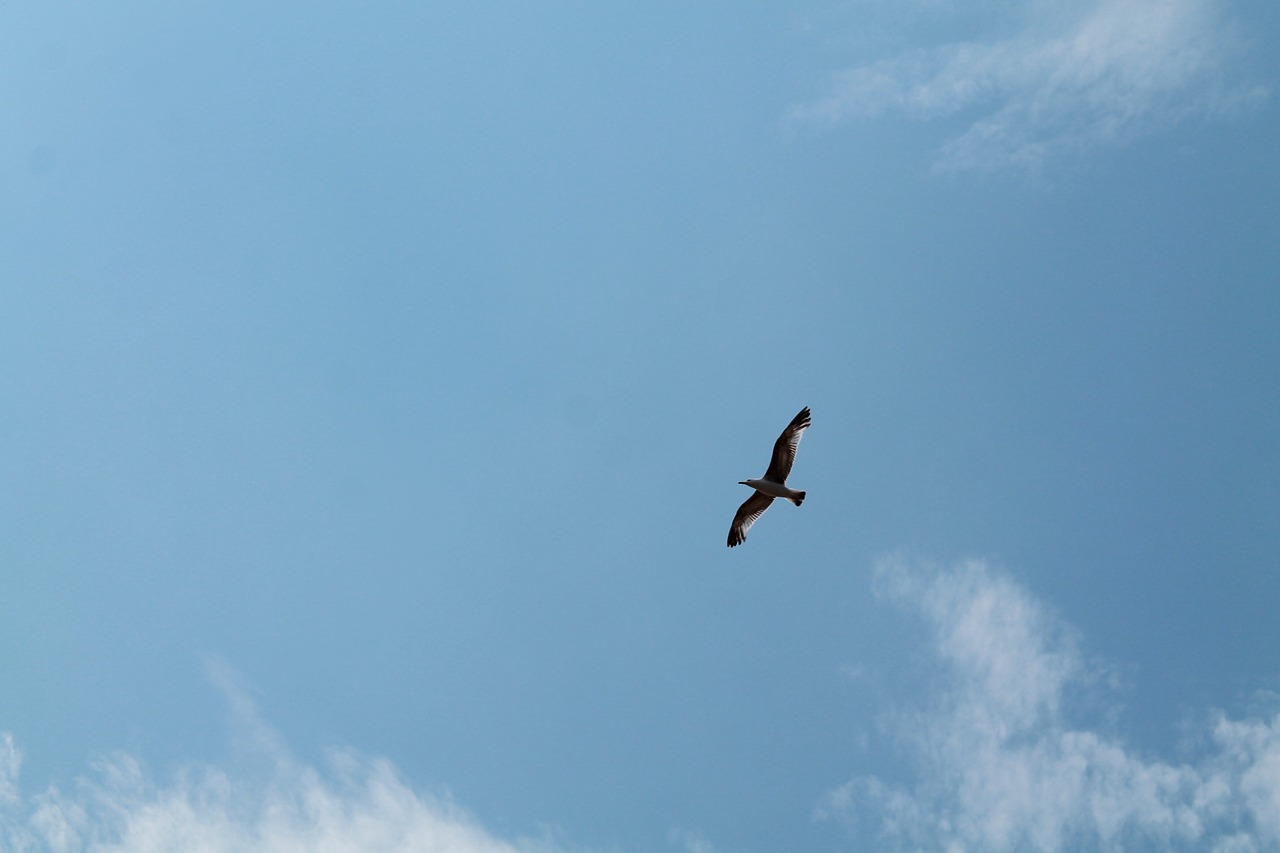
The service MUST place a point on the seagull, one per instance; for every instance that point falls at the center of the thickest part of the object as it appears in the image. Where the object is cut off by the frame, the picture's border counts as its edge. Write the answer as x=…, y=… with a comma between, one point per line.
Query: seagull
x=774, y=482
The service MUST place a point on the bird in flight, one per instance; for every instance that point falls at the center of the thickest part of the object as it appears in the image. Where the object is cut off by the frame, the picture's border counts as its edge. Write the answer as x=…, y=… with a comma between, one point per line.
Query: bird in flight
x=774, y=482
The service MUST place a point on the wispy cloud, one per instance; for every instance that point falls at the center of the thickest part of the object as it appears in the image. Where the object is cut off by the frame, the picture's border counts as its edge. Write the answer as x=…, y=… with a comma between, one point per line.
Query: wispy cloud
x=997, y=759
x=691, y=842
x=999, y=763
x=1075, y=76
x=354, y=805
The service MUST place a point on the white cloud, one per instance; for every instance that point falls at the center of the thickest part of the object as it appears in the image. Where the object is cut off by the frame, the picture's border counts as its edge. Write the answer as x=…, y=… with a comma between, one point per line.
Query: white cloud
x=354, y=804
x=692, y=842
x=997, y=760
x=998, y=764
x=10, y=762
x=1076, y=75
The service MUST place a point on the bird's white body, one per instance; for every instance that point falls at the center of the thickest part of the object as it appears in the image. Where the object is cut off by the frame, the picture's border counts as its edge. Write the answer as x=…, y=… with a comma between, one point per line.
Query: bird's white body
x=775, y=490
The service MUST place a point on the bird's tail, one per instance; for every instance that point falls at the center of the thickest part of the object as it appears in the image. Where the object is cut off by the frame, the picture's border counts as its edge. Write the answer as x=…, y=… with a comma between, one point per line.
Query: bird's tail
x=798, y=498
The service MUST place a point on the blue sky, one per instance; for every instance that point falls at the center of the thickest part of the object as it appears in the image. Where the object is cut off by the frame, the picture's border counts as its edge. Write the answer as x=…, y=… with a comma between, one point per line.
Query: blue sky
x=378, y=381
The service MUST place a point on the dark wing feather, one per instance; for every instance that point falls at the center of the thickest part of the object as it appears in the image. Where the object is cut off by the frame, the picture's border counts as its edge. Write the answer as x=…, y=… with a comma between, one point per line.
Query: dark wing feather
x=784, y=449
x=751, y=509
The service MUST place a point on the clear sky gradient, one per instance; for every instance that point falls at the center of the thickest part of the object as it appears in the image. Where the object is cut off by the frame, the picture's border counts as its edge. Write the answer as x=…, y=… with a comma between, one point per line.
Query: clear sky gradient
x=376, y=381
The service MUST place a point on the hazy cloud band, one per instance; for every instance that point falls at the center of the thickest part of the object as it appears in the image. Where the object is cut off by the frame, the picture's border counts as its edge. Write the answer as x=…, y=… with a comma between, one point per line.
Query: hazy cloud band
x=1076, y=77
x=999, y=764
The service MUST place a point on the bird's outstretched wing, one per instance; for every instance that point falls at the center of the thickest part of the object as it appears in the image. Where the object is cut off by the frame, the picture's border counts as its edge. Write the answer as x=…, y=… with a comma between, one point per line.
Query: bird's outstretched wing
x=751, y=509
x=784, y=449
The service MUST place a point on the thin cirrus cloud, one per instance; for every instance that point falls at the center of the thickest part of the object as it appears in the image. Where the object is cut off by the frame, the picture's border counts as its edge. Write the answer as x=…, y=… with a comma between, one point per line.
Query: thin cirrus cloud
x=1074, y=77
x=355, y=805
x=998, y=761
x=998, y=758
